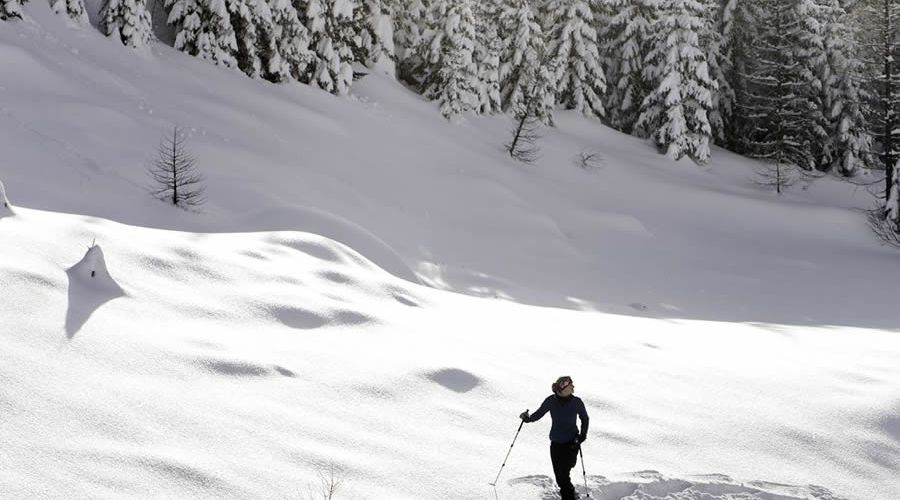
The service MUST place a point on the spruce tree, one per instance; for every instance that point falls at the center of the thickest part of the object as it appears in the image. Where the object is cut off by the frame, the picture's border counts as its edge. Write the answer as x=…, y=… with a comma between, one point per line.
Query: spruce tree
x=73, y=8
x=626, y=28
x=849, y=139
x=330, y=23
x=521, y=54
x=781, y=106
x=291, y=44
x=203, y=29
x=878, y=22
x=128, y=21
x=676, y=112
x=11, y=9
x=374, y=37
x=487, y=56
x=580, y=81
x=448, y=70
x=254, y=30
x=731, y=26
x=409, y=26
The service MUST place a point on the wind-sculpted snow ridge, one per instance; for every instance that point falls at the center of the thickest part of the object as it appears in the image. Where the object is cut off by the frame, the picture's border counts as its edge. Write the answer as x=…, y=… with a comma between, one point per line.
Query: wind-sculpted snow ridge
x=651, y=485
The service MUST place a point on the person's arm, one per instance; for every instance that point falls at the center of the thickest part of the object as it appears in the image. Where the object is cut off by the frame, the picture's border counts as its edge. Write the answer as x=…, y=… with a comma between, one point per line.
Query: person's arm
x=585, y=421
x=534, y=417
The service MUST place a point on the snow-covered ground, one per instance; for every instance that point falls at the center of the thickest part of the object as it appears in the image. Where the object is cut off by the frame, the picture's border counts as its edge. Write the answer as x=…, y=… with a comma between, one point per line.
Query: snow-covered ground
x=739, y=344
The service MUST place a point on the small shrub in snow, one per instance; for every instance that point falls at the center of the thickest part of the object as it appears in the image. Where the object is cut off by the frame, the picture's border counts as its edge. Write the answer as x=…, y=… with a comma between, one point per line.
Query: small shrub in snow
x=330, y=481
x=589, y=161
x=174, y=172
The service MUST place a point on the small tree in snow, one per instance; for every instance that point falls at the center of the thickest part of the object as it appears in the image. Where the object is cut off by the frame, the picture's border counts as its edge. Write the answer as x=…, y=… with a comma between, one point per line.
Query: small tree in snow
x=777, y=174
x=73, y=8
x=11, y=9
x=127, y=20
x=174, y=172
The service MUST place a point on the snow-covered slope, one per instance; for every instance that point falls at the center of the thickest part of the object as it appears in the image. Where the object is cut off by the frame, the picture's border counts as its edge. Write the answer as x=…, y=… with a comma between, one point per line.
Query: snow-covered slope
x=235, y=352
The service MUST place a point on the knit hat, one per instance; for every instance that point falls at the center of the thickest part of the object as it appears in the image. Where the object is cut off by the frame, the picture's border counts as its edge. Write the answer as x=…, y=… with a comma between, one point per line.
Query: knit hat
x=561, y=383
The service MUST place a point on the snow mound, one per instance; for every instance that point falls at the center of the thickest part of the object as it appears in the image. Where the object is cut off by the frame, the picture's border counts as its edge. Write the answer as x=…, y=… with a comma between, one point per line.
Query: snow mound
x=651, y=485
x=90, y=286
x=5, y=208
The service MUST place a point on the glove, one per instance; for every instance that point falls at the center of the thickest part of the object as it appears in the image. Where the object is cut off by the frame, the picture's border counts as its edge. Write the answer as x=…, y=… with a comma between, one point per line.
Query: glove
x=524, y=416
x=582, y=438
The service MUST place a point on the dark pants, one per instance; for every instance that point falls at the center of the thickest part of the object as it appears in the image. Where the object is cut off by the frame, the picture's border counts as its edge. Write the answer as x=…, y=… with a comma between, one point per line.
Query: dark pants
x=564, y=456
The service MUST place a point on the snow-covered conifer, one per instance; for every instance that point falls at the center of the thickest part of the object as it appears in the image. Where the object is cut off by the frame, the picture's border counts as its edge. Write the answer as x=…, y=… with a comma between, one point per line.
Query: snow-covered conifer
x=374, y=35
x=448, y=69
x=330, y=23
x=626, y=28
x=522, y=54
x=203, y=29
x=783, y=116
x=128, y=21
x=580, y=81
x=292, y=55
x=11, y=9
x=676, y=112
x=250, y=20
x=843, y=100
x=730, y=26
x=487, y=56
x=73, y=8
x=409, y=18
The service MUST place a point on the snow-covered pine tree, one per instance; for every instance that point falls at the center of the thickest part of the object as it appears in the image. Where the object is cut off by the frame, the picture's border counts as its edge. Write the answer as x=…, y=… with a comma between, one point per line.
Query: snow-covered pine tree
x=849, y=139
x=877, y=25
x=254, y=30
x=522, y=55
x=732, y=24
x=572, y=45
x=330, y=23
x=203, y=29
x=783, y=116
x=374, y=36
x=73, y=8
x=448, y=70
x=11, y=9
x=409, y=25
x=676, y=113
x=625, y=28
x=813, y=64
x=291, y=44
x=128, y=21
x=487, y=56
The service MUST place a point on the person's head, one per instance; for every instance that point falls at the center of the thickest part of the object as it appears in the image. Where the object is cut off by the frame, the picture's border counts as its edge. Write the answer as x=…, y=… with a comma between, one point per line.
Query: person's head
x=563, y=386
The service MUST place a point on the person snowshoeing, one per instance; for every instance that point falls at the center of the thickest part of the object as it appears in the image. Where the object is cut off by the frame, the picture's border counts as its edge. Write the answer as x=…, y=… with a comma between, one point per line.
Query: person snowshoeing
x=565, y=439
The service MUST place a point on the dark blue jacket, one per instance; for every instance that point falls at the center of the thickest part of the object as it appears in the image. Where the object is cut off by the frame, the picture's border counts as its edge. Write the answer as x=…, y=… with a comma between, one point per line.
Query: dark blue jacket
x=563, y=412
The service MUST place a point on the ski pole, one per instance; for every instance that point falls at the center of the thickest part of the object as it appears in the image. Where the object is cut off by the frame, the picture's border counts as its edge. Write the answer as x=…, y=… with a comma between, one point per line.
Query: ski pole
x=508, y=452
x=583, y=472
